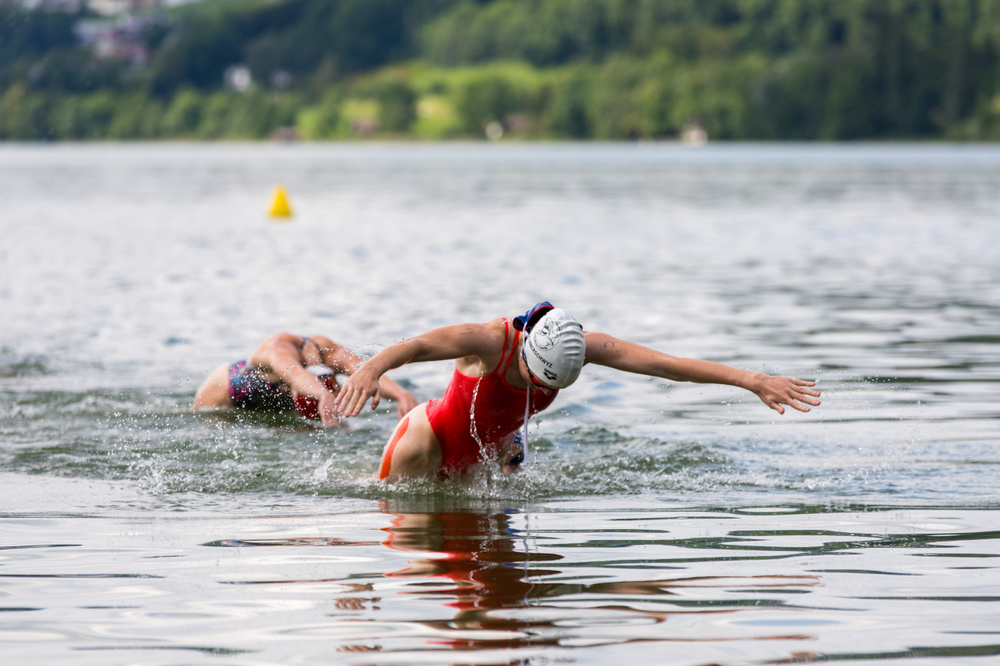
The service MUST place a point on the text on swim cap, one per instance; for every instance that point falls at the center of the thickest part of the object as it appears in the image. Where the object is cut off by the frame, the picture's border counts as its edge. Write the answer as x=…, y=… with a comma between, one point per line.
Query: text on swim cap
x=535, y=353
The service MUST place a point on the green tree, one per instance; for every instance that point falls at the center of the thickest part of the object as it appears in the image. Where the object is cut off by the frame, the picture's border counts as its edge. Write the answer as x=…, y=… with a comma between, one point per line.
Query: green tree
x=321, y=121
x=613, y=107
x=485, y=98
x=198, y=58
x=397, y=106
x=24, y=116
x=136, y=116
x=184, y=115
x=215, y=120
x=568, y=102
x=99, y=112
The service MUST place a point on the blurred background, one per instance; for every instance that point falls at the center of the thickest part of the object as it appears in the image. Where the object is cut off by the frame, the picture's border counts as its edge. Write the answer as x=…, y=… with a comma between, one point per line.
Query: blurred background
x=495, y=69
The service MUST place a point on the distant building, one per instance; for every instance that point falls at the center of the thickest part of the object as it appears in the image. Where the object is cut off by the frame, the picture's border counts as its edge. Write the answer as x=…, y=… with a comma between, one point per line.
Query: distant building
x=70, y=6
x=694, y=134
x=238, y=78
x=118, y=38
x=102, y=7
x=115, y=7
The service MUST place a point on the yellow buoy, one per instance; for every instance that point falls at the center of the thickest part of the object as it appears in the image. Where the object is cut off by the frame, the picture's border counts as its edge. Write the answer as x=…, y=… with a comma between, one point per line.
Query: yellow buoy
x=279, y=203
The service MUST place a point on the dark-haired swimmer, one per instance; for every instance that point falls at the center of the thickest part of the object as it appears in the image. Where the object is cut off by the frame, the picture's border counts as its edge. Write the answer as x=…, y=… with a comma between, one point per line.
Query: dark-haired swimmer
x=291, y=372
x=506, y=370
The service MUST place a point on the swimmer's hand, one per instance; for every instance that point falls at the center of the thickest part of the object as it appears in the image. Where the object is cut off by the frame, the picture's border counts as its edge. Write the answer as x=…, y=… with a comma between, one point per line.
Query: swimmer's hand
x=328, y=410
x=360, y=386
x=778, y=391
x=405, y=403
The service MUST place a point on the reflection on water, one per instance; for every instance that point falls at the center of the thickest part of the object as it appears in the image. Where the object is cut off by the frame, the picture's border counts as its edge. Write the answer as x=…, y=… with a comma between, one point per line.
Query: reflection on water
x=275, y=579
x=507, y=595
x=536, y=585
x=472, y=563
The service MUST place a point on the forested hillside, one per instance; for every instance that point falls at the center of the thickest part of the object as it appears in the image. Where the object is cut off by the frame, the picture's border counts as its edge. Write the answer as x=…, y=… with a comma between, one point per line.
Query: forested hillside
x=581, y=69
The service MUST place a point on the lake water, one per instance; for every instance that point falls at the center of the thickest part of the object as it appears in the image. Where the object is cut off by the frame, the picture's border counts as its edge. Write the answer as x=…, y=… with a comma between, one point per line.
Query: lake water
x=654, y=522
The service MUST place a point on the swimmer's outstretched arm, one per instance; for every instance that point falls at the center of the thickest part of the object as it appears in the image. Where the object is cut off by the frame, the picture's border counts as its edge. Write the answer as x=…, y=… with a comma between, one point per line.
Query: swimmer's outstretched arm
x=449, y=342
x=345, y=362
x=603, y=349
x=281, y=353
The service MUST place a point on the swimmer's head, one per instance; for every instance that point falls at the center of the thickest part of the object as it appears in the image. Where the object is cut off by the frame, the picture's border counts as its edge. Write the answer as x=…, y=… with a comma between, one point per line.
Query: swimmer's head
x=308, y=406
x=554, y=349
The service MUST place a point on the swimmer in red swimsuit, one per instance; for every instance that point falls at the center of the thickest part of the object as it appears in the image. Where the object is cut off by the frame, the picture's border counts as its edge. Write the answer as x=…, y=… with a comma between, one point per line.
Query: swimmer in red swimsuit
x=290, y=372
x=506, y=370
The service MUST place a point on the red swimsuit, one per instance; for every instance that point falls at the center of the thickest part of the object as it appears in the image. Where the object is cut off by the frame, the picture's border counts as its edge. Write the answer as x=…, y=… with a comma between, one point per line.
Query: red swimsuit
x=476, y=414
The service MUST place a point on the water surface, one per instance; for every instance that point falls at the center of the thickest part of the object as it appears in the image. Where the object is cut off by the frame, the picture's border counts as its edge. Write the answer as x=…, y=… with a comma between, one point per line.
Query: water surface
x=655, y=521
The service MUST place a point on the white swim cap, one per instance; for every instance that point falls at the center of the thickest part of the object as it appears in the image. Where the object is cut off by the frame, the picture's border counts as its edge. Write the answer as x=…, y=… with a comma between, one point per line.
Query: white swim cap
x=554, y=349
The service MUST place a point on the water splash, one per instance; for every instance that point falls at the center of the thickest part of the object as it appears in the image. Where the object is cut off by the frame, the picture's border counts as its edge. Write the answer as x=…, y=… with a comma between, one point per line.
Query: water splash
x=472, y=416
